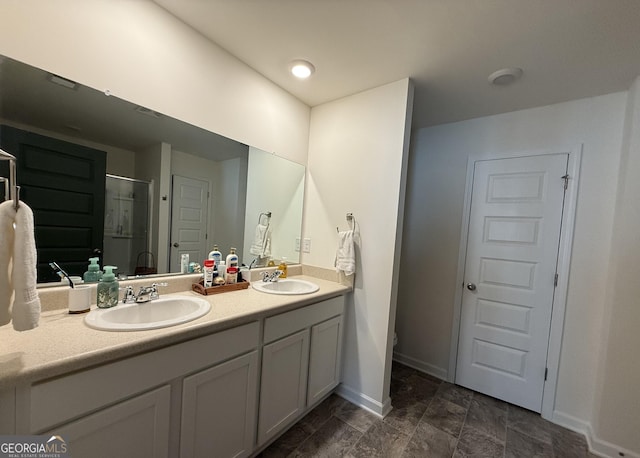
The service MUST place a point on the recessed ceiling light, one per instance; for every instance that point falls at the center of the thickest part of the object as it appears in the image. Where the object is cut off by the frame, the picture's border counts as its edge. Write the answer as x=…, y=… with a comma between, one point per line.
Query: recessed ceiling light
x=505, y=76
x=301, y=69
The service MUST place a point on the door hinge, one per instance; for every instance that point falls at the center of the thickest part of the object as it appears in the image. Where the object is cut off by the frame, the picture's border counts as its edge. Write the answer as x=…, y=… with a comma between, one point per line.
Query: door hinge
x=566, y=181
x=546, y=372
x=555, y=280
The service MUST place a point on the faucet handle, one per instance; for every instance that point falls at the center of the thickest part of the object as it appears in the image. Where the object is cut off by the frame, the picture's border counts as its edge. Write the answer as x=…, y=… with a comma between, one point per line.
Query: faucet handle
x=129, y=295
x=154, y=289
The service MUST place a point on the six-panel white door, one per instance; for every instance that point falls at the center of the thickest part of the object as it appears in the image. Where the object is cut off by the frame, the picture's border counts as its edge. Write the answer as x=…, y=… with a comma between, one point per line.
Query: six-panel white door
x=190, y=199
x=512, y=250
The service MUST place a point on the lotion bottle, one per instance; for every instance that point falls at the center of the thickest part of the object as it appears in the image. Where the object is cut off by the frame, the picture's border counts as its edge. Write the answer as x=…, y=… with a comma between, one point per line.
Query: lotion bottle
x=215, y=255
x=232, y=258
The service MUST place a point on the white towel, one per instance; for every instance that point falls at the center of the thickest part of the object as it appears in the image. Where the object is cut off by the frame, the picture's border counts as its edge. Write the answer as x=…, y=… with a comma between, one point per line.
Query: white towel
x=346, y=254
x=261, y=245
x=7, y=217
x=21, y=262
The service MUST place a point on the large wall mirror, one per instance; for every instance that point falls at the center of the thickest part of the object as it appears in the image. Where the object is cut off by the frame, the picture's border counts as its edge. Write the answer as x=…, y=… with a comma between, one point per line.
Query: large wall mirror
x=135, y=187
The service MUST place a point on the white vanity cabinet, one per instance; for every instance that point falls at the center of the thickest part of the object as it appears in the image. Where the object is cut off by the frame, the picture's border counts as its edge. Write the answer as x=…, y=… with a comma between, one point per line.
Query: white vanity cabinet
x=300, y=363
x=226, y=394
x=127, y=408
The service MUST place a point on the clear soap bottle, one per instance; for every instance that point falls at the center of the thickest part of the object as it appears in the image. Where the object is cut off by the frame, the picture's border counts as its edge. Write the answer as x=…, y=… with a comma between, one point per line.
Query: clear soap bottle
x=108, y=289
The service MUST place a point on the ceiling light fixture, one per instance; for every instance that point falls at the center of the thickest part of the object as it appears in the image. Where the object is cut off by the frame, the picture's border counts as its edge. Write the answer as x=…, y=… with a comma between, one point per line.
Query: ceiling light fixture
x=505, y=76
x=301, y=69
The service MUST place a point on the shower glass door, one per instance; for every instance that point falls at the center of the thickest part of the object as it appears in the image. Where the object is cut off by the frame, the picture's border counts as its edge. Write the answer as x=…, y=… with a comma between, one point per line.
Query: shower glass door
x=126, y=224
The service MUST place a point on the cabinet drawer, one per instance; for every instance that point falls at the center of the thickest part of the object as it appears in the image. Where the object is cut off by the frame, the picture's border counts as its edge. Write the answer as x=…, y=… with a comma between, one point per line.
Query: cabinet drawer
x=287, y=323
x=61, y=399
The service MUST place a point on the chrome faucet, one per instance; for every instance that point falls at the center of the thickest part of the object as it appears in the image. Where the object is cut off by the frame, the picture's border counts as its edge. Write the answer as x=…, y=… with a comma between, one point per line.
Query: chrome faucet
x=271, y=276
x=145, y=294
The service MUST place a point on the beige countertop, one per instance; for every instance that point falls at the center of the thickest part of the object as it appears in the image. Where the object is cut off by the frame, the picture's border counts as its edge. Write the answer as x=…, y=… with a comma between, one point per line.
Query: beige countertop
x=63, y=343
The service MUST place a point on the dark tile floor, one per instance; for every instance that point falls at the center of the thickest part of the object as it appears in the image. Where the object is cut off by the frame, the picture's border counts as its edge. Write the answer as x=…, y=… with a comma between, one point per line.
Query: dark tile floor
x=430, y=418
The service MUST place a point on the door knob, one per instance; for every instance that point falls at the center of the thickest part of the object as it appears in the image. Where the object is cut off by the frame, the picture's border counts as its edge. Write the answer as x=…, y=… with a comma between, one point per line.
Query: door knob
x=176, y=245
x=471, y=286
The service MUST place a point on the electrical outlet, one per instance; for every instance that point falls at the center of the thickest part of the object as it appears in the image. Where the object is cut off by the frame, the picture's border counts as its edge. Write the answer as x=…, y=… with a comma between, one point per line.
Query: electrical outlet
x=306, y=245
x=298, y=244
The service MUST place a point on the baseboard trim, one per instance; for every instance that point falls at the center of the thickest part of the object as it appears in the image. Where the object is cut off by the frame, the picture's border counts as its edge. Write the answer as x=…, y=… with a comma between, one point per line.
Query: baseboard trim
x=596, y=445
x=421, y=366
x=363, y=401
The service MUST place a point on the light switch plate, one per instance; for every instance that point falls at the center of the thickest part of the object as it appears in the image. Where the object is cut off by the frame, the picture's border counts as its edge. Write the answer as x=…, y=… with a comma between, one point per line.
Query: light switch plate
x=306, y=245
x=298, y=244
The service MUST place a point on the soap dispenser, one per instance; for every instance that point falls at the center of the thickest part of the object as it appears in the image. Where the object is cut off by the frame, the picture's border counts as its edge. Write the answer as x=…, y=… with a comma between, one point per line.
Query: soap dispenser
x=283, y=267
x=93, y=274
x=108, y=289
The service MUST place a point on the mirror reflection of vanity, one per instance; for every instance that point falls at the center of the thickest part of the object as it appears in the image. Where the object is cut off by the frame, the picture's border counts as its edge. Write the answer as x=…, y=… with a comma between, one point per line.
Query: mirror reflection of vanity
x=173, y=188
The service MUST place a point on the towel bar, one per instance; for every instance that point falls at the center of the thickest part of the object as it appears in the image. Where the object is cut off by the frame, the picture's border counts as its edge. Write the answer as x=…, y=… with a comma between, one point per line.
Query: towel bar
x=13, y=188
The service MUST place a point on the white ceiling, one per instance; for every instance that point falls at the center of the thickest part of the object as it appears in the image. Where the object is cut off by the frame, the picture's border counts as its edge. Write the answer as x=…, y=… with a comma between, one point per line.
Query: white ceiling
x=568, y=48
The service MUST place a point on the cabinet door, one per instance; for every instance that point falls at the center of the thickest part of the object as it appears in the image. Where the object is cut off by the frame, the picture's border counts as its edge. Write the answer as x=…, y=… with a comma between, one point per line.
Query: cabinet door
x=283, y=384
x=219, y=409
x=7, y=412
x=325, y=358
x=133, y=428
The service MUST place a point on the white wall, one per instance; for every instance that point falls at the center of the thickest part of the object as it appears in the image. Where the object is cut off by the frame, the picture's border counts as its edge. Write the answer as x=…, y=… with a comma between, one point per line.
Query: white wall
x=230, y=206
x=143, y=54
x=357, y=150
x=274, y=185
x=434, y=206
x=617, y=417
x=154, y=165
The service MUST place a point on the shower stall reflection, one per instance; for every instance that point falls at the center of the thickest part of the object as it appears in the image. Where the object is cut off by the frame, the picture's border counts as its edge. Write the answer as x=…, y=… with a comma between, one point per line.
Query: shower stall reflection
x=126, y=225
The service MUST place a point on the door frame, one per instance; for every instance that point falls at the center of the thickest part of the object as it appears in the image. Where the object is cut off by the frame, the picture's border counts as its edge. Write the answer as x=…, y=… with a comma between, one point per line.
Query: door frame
x=563, y=266
x=171, y=215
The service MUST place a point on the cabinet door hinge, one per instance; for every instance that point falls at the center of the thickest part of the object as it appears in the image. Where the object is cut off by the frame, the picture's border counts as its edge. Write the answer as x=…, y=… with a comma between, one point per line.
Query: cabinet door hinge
x=566, y=181
x=555, y=280
x=546, y=372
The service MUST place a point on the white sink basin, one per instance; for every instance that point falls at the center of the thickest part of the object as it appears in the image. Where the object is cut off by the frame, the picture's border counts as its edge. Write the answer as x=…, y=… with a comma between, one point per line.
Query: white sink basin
x=160, y=313
x=286, y=286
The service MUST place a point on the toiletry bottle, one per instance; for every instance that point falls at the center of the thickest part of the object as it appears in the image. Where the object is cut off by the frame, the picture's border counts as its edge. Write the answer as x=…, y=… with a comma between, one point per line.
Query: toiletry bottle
x=184, y=263
x=283, y=267
x=108, y=289
x=93, y=274
x=215, y=254
x=222, y=270
x=231, y=276
x=208, y=273
x=232, y=258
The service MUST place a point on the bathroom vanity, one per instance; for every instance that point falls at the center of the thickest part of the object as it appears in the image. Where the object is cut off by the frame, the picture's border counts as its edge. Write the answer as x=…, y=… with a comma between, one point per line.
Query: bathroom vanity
x=226, y=384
